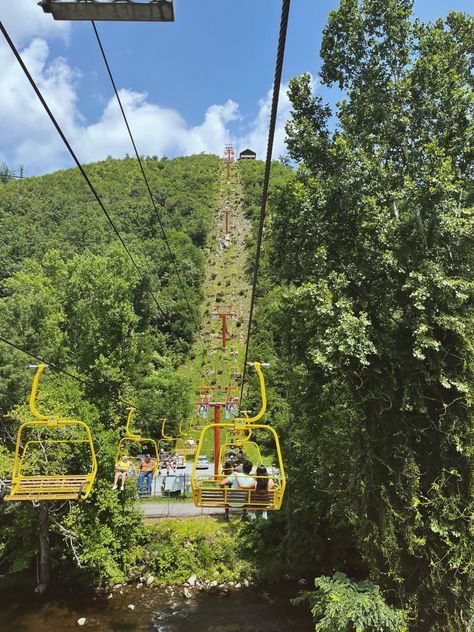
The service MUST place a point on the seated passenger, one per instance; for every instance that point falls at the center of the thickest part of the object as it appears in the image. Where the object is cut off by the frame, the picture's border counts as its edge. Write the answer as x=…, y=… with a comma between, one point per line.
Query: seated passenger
x=242, y=481
x=146, y=469
x=122, y=468
x=226, y=472
x=263, y=483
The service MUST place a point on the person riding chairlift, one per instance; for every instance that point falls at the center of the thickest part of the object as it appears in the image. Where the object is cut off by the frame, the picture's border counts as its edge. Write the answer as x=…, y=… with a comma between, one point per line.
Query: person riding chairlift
x=263, y=484
x=122, y=468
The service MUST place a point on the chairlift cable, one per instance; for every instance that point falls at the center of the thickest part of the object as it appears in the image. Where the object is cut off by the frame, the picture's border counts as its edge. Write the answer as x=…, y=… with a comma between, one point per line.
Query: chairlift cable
x=157, y=213
x=268, y=163
x=58, y=369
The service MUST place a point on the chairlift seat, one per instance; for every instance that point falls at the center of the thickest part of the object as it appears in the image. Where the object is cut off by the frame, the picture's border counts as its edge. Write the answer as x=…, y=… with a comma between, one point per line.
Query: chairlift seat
x=68, y=487
x=241, y=498
x=121, y=10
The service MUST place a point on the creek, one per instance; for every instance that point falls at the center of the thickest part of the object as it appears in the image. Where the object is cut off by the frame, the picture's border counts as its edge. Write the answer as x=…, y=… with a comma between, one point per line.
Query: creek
x=256, y=609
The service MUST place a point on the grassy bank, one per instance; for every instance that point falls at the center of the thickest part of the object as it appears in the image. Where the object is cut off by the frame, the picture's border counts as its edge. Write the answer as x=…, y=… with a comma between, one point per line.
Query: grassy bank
x=205, y=547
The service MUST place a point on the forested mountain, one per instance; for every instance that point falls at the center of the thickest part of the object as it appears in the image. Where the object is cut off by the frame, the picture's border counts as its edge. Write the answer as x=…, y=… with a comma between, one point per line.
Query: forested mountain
x=70, y=294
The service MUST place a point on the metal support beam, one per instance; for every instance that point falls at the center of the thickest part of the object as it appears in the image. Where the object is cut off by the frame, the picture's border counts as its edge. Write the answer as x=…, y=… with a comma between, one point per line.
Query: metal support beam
x=113, y=10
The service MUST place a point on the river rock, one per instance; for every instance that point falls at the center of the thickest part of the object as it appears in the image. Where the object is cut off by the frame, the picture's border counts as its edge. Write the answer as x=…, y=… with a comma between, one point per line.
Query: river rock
x=246, y=583
x=238, y=586
x=139, y=585
x=187, y=594
x=81, y=621
x=224, y=591
x=131, y=606
x=192, y=581
x=150, y=580
x=213, y=587
x=109, y=596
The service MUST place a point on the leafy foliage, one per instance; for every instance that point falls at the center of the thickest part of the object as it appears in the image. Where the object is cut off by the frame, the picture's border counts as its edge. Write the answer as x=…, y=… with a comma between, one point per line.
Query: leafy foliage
x=69, y=293
x=341, y=605
x=178, y=549
x=368, y=305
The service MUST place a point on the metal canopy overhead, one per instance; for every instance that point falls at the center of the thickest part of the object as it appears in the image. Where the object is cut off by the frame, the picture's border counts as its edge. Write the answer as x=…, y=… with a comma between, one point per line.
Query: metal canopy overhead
x=114, y=10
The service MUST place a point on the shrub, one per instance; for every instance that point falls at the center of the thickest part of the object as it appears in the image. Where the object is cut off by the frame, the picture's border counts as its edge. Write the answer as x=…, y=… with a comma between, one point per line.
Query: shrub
x=341, y=605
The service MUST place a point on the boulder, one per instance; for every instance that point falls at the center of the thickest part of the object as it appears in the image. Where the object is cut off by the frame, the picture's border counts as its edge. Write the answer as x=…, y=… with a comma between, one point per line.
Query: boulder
x=81, y=621
x=150, y=580
x=192, y=581
x=131, y=606
x=187, y=594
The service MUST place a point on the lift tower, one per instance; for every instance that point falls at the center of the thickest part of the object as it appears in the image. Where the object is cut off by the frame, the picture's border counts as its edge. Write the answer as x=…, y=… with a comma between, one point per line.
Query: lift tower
x=224, y=312
x=229, y=159
x=206, y=402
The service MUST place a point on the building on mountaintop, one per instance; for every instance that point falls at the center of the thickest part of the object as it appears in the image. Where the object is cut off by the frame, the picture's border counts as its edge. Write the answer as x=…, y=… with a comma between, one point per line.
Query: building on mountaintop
x=247, y=154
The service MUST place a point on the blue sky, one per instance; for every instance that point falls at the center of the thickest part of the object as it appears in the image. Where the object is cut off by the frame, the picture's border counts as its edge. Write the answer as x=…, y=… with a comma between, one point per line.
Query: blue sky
x=189, y=86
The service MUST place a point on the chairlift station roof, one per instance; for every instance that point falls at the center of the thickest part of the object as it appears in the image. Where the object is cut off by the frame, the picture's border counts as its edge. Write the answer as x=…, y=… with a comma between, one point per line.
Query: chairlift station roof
x=120, y=10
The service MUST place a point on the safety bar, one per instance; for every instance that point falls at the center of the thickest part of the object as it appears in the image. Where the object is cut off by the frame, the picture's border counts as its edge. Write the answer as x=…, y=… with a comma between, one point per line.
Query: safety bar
x=250, y=420
x=34, y=391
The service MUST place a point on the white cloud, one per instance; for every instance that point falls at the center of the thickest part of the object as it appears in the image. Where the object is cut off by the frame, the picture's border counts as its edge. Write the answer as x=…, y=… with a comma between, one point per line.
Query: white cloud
x=156, y=130
x=29, y=138
x=27, y=135
x=257, y=137
x=24, y=19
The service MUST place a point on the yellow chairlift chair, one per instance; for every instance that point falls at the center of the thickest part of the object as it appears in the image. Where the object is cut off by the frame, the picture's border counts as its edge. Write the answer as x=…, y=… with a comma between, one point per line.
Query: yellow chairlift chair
x=134, y=438
x=174, y=447
x=246, y=446
x=182, y=444
x=31, y=454
x=206, y=489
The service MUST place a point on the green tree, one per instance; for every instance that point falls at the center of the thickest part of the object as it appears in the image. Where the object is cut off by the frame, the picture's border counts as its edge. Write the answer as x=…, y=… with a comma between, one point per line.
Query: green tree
x=372, y=245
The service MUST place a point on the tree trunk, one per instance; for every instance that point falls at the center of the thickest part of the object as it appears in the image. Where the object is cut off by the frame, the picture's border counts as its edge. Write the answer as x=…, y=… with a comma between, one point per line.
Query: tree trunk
x=44, y=558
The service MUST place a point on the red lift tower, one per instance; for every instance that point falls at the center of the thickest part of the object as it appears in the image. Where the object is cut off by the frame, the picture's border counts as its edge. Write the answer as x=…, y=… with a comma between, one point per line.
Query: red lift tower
x=229, y=158
x=224, y=312
x=226, y=211
x=207, y=401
